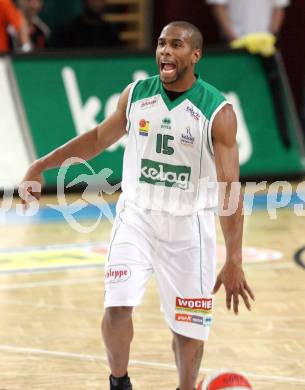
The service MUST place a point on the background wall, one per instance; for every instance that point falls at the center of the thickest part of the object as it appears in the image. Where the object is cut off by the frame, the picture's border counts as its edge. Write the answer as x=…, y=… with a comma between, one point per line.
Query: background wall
x=50, y=99
x=292, y=38
x=68, y=9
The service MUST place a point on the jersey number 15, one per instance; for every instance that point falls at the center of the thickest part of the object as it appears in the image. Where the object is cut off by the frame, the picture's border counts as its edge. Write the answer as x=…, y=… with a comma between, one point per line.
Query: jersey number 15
x=162, y=145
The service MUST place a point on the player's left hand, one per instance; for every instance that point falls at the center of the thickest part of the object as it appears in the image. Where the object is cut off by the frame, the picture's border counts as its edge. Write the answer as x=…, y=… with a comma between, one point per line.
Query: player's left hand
x=233, y=278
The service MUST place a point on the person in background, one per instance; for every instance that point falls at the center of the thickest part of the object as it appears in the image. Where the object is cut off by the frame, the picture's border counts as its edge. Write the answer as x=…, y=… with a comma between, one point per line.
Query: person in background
x=39, y=31
x=254, y=25
x=237, y=18
x=89, y=29
x=13, y=22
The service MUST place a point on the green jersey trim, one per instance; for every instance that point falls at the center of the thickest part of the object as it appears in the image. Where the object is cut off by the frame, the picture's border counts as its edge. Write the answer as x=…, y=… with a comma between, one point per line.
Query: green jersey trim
x=146, y=89
x=202, y=95
x=206, y=98
x=186, y=95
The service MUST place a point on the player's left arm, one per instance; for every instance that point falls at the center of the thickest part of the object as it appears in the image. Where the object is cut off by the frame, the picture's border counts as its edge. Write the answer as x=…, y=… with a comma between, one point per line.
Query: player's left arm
x=232, y=276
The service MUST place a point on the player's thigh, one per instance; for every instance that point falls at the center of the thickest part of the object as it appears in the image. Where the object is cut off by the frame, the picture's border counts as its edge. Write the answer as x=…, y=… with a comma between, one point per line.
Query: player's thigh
x=186, y=276
x=128, y=267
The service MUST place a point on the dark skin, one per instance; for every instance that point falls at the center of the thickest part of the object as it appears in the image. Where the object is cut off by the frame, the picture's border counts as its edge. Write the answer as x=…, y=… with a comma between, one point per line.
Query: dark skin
x=175, y=47
x=227, y=167
x=176, y=58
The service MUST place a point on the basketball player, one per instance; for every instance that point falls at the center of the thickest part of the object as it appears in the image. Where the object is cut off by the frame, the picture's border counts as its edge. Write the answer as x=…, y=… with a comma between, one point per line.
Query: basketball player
x=182, y=139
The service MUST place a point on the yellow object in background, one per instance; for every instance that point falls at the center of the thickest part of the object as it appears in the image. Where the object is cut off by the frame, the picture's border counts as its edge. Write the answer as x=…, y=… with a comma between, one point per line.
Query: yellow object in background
x=262, y=43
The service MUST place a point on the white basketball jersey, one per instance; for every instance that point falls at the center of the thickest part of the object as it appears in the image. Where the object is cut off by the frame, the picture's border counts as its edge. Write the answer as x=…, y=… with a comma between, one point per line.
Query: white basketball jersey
x=168, y=162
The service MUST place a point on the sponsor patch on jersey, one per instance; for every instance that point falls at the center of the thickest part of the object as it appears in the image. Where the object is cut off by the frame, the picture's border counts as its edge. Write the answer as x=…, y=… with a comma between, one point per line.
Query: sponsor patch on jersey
x=148, y=103
x=187, y=138
x=199, y=320
x=194, y=305
x=144, y=127
x=117, y=274
x=166, y=124
x=194, y=114
x=158, y=173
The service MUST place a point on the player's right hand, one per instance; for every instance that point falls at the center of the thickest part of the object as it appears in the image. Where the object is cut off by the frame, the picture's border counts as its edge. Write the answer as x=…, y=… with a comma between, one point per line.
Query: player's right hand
x=30, y=186
x=233, y=278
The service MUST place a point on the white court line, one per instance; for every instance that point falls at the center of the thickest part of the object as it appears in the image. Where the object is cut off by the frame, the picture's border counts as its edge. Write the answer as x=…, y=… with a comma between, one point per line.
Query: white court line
x=166, y=366
x=50, y=283
x=271, y=266
x=43, y=305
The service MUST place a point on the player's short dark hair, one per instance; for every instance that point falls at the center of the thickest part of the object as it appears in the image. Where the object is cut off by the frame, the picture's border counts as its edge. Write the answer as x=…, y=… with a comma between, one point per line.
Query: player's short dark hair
x=194, y=32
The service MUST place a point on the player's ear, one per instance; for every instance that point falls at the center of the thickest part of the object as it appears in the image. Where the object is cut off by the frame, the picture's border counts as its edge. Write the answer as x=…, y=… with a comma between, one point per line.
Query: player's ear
x=196, y=56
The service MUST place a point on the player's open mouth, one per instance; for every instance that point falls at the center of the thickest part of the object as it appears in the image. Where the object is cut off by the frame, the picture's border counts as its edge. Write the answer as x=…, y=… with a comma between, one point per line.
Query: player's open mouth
x=167, y=68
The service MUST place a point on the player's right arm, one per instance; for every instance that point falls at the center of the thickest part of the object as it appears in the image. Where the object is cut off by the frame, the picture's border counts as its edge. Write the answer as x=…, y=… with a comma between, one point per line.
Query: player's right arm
x=85, y=146
x=227, y=166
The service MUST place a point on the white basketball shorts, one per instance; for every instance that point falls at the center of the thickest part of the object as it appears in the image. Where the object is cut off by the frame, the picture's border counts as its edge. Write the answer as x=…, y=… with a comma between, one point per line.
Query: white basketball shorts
x=180, y=251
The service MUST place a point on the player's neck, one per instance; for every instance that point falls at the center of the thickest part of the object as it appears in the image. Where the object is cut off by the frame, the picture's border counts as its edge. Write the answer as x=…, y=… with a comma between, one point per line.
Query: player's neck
x=181, y=85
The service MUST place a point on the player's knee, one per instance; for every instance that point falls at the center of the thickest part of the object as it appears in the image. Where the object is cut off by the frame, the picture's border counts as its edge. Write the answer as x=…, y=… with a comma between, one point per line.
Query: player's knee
x=180, y=340
x=116, y=315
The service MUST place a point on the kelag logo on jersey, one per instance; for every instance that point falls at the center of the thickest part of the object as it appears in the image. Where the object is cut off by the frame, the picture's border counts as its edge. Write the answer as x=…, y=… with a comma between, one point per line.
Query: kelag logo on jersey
x=154, y=172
